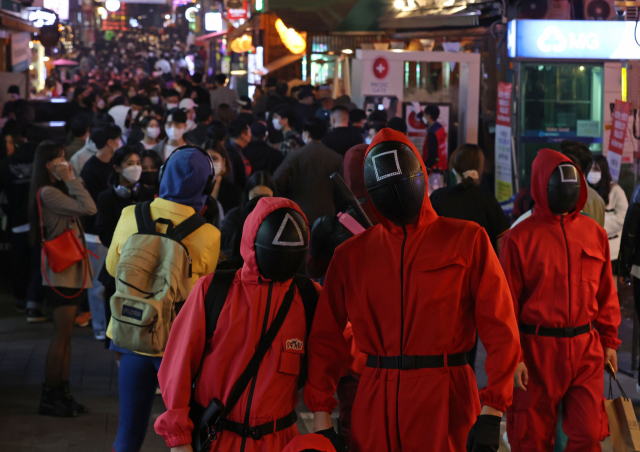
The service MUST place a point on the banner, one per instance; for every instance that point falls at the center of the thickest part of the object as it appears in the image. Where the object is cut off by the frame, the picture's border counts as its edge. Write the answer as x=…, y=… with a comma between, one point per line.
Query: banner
x=504, y=178
x=381, y=77
x=617, y=138
x=20, y=51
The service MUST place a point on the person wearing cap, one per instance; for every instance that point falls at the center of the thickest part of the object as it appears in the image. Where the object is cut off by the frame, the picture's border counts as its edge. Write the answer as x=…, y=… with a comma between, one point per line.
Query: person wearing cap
x=244, y=110
x=189, y=106
x=181, y=195
x=262, y=156
x=222, y=94
x=204, y=116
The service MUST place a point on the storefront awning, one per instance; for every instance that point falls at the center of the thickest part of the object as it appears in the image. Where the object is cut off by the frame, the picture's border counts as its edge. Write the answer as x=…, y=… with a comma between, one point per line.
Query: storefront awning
x=279, y=63
x=200, y=40
x=457, y=16
x=15, y=23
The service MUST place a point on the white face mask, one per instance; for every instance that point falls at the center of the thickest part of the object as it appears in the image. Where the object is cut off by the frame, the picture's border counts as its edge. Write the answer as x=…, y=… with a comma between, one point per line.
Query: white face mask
x=134, y=114
x=154, y=100
x=305, y=137
x=174, y=133
x=368, y=140
x=191, y=124
x=153, y=132
x=594, y=177
x=170, y=106
x=132, y=173
x=217, y=166
x=100, y=104
x=276, y=124
x=118, y=144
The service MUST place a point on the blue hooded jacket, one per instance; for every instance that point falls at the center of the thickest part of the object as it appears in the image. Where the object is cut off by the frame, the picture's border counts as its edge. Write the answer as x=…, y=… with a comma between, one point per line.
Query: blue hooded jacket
x=184, y=178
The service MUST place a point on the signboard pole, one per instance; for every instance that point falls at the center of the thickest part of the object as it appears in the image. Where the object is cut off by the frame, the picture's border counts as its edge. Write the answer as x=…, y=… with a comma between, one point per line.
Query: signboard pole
x=504, y=178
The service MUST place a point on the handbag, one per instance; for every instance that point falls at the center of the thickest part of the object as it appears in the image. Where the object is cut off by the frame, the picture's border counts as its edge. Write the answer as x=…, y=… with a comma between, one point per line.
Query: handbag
x=623, y=426
x=61, y=252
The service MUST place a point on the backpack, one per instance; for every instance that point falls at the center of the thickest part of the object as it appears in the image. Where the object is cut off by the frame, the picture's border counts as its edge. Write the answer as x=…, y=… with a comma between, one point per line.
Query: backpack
x=153, y=274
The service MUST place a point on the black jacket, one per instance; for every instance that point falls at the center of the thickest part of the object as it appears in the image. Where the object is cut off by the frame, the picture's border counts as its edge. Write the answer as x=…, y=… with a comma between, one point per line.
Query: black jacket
x=629, y=250
x=263, y=157
x=198, y=135
x=342, y=139
x=229, y=196
x=15, y=180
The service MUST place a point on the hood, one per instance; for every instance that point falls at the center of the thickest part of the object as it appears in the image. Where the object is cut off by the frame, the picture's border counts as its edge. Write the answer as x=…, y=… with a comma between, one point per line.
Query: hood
x=427, y=214
x=353, y=174
x=119, y=115
x=543, y=165
x=184, y=178
x=247, y=247
x=311, y=441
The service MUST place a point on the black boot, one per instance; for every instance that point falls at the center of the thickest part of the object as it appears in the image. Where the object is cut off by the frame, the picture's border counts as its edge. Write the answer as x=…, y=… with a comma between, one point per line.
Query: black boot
x=52, y=403
x=69, y=400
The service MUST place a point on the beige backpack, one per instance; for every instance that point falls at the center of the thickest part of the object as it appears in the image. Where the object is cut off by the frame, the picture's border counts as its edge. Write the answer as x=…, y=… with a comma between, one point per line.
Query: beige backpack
x=153, y=274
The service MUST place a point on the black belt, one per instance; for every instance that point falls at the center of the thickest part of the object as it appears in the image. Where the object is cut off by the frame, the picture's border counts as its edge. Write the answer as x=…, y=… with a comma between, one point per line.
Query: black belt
x=259, y=431
x=556, y=332
x=406, y=362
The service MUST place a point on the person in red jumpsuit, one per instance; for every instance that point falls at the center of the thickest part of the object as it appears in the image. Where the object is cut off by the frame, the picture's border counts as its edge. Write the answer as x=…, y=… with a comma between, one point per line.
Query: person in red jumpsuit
x=414, y=287
x=254, y=298
x=559, y=272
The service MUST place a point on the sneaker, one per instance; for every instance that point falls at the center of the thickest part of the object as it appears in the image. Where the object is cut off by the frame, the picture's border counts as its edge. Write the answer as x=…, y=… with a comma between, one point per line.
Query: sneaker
x=82, y=319
x=68, y=398
x=99, y=336
x=35, y=315
x=52, y=403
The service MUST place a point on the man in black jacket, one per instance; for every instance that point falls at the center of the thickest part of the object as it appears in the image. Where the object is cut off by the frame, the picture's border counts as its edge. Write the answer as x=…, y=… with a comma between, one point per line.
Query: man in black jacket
x=342, y=136
x=262, y=156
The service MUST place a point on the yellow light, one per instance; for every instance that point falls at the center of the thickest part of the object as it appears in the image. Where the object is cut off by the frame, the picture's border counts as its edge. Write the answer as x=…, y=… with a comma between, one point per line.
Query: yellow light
x=31, y=67
x=45, y=59
x=581, y=68
x=399, y=4
x=347, y=51
x=241, y=44
x=291, y=39
x=31, y=44
x=624, y=84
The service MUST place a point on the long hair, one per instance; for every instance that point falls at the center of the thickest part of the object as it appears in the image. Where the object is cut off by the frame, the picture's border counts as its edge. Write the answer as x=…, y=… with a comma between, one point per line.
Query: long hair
x=605, y=182
x=45, y=152
x=217, y=147
x=466, y=158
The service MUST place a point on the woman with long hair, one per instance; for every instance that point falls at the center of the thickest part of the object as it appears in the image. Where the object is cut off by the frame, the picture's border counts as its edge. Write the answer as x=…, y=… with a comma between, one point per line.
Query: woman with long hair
x=615, y=201
x=63, y=201
x=225, y=192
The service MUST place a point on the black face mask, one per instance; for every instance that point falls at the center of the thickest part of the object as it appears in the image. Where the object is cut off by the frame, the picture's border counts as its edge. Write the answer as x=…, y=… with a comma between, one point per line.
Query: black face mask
x=563, y=190
x=395, y=181
x=149, y=178
x=281, y=244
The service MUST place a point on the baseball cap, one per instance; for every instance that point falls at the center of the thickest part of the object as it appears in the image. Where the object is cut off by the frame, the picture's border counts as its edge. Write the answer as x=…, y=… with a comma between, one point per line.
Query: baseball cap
x=258, y=129
x=187, y=104
x=245, y=102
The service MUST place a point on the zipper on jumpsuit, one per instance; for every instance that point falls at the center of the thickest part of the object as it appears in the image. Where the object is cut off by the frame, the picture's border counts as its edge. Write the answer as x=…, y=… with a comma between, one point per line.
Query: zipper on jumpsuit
x=566, y=244
x=404, y=242
x=265, y=322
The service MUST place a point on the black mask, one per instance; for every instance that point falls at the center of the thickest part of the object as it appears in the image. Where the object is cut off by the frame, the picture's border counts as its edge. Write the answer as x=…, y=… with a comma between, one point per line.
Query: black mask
x=395, y=181
x=281, y=244
x=149, y=178
x=563, y=190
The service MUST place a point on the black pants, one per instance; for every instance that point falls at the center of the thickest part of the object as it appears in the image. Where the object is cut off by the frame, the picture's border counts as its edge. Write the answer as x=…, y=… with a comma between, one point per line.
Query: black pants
x=26, y=276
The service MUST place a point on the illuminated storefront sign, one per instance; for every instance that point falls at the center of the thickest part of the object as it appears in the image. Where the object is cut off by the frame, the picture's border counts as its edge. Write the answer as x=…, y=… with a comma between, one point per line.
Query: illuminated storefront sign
x=41, y=18
x=572, y=39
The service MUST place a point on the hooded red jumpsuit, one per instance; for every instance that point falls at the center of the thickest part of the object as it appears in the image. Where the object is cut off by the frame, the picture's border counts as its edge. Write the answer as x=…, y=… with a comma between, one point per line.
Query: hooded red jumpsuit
x=417, y=291
x=237, y=334
x=559, y=273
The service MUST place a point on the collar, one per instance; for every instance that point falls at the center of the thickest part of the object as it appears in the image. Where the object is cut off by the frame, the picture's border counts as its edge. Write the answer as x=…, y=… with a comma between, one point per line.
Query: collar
x=173, y=207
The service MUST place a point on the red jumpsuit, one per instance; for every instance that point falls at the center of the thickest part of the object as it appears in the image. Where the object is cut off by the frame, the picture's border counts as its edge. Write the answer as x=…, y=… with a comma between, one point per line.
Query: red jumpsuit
x=312, y=441
x=559, y=273
x=426, y=300
x=232, y=346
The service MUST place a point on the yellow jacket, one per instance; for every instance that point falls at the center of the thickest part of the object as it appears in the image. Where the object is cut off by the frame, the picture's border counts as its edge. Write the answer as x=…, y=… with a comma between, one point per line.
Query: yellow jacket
x=203, y=244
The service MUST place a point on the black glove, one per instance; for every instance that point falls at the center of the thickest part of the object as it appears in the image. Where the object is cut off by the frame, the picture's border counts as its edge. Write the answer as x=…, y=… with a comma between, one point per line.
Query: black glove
x=332, y=436
x=326, y=234
x=485, y=434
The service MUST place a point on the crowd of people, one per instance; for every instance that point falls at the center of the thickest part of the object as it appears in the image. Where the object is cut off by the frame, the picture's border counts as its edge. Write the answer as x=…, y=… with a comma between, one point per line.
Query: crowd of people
x=172, y=194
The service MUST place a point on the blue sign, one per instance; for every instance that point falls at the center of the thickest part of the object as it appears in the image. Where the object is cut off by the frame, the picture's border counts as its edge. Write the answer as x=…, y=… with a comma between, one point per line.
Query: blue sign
x=572, y=39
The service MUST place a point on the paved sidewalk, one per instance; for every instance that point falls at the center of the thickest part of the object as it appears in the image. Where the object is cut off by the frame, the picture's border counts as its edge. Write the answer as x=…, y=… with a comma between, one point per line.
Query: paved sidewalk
x=94, y=382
